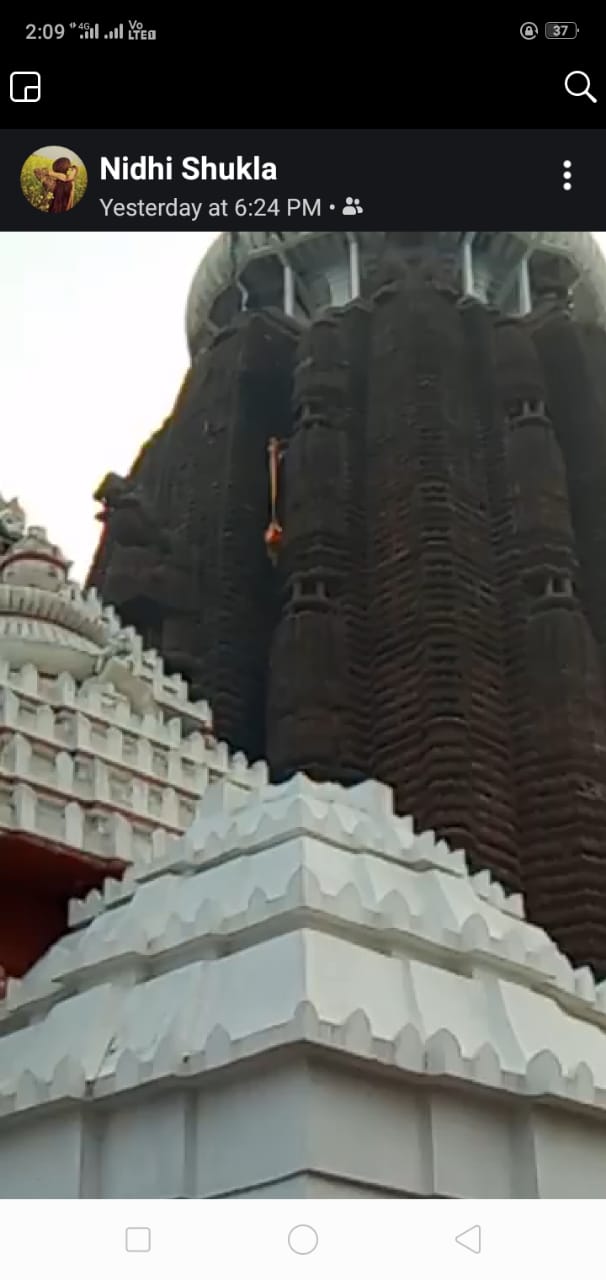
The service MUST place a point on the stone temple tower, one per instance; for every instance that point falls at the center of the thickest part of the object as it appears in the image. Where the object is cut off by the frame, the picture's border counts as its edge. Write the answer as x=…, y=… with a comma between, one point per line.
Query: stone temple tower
x=434, y=612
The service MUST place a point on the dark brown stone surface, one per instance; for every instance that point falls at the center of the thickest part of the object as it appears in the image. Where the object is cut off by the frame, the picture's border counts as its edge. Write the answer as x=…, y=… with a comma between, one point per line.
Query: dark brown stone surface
x=437, y=615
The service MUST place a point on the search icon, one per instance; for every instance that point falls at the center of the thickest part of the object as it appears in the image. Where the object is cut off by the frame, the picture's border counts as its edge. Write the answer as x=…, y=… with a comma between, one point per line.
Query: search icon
x=585, y=81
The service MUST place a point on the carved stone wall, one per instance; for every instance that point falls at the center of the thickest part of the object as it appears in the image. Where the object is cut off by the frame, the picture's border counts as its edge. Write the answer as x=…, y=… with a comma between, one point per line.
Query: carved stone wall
x=201, y=587
x=437, y=616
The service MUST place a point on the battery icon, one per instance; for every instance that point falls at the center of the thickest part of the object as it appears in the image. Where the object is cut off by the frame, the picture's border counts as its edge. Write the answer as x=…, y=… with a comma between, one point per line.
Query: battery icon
x=561, y=30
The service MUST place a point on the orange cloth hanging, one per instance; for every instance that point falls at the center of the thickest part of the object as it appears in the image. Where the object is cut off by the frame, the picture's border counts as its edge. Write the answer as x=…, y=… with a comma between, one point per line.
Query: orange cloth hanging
x=274, y=531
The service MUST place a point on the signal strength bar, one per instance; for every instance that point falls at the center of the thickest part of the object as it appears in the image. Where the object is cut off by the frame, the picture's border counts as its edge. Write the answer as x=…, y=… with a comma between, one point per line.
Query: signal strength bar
x=90, y=33
x=116, y=34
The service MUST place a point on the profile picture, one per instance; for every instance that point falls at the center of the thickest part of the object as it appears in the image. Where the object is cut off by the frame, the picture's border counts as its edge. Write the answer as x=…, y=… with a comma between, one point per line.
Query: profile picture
x=53, y=179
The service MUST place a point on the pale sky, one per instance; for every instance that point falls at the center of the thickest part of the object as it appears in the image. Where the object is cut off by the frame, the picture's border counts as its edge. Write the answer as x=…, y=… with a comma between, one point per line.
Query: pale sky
x=92, y=354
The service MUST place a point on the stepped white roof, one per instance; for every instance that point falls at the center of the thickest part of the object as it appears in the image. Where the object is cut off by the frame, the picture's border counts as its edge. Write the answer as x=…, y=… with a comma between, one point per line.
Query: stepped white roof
x=302, y=912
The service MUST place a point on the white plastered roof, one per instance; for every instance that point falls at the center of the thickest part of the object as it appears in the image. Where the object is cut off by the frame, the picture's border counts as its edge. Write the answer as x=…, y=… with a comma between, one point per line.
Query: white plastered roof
x=310, y=913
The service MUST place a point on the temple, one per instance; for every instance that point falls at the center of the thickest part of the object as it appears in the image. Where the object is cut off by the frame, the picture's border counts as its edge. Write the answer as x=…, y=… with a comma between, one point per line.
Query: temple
x=433, y=613
x=364, y=553
x=103, y=755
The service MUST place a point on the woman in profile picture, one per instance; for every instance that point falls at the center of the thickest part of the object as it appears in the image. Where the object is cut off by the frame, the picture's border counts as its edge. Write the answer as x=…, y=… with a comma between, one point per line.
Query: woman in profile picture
x=60, y=182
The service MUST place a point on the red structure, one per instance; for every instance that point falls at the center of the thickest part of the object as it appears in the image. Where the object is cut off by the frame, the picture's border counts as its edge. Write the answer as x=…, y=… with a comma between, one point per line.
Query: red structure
x=38, y=880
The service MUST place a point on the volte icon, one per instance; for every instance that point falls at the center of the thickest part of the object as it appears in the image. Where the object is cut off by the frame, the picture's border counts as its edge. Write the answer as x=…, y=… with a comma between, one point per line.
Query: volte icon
x=470, y=1239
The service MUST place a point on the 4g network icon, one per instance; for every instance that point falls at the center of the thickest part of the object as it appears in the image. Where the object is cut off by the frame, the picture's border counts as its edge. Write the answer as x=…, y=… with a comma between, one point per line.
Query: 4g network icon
x=133, y=31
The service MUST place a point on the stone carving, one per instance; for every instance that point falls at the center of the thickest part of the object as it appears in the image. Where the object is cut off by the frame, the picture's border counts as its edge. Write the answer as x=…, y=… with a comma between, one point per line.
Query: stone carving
x=131, y=516
x=112, y=667
x=153, y=555
x=12, y=522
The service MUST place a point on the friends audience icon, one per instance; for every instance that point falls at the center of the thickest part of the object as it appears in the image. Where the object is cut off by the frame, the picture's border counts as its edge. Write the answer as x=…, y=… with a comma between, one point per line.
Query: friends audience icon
x=351, y=207
x=53, y=179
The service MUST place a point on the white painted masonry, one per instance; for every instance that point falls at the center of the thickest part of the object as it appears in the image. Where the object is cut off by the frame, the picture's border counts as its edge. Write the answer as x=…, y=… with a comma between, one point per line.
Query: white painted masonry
x=291, y=993
x=303, y=994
